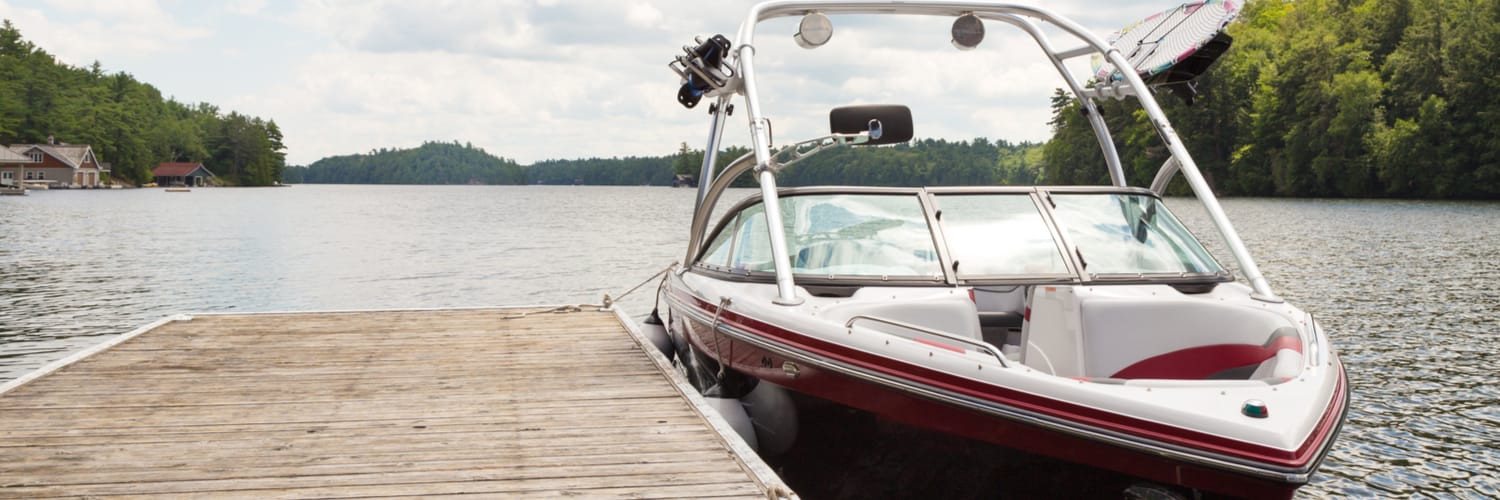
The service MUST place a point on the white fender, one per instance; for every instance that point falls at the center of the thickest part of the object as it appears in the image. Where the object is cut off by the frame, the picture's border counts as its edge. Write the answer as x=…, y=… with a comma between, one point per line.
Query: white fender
x=734, y=413
x=775, y=417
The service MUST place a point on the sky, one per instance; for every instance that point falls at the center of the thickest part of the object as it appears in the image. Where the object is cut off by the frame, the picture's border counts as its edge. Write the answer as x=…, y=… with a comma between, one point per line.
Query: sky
x=547, y=79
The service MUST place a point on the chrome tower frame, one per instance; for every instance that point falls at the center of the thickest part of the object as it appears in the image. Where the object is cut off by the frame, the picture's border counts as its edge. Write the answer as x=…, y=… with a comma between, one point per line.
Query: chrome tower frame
x=1026, y=18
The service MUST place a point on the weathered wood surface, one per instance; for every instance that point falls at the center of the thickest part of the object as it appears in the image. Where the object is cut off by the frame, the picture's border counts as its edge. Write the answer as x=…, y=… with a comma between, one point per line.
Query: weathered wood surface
x=404, y=403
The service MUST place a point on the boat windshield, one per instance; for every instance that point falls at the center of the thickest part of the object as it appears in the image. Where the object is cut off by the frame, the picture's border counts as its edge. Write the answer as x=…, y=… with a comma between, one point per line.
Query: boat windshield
x=1117, y=233
x=846, y=235
x=991, y=235
x=1005, y=235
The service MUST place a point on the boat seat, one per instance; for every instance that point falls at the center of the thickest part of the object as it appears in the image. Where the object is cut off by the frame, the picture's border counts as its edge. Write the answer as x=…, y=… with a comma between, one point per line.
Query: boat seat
x=832, y=257
x=1000, y=313
x=1152, y=332
x=863, y=258
x=1278, y=357
x=945, y=311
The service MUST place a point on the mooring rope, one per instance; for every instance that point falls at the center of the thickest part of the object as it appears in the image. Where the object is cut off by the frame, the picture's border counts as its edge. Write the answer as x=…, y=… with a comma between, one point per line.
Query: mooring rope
x=610, y=302
x=555, y=310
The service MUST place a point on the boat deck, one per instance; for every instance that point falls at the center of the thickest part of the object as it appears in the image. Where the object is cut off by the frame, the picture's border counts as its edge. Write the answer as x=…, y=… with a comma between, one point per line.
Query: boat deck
x=491, y=402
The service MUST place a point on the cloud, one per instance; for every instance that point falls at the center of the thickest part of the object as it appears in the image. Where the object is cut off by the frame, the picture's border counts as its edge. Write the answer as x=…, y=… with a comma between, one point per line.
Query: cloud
x=560, y=80
x=245, y=7
x=525, y=80
x=519, y=108
x=535, y=80
x=79, y=32
x=643, y=15
x=505, y=28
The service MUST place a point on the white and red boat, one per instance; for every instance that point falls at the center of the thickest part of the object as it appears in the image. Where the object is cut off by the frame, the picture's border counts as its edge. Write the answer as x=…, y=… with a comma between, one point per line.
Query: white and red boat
x=1080, y=322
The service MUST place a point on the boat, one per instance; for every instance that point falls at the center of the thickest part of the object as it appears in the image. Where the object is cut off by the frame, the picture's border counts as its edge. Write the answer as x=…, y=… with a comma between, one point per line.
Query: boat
x=1085, y=323
x=12, y=191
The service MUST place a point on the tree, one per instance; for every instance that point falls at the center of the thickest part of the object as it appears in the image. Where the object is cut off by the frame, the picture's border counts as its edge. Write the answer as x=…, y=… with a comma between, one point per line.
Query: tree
x=1327, y=98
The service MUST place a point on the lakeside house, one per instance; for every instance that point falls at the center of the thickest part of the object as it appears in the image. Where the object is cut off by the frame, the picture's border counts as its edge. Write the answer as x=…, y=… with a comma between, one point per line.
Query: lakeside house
x=183, y=174
x=56, y=165
x=11, y=165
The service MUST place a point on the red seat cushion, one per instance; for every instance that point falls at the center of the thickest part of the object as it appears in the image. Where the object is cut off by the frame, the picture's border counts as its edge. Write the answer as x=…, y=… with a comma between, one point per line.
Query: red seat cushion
x=1202, y=362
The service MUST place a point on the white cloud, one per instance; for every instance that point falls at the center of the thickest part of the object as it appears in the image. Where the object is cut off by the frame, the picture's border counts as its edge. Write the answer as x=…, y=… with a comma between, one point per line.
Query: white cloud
x=514, y=107
x=540, y=80
x=245, y=7
x=79, y=32
x=643, y=15
x=534, y=80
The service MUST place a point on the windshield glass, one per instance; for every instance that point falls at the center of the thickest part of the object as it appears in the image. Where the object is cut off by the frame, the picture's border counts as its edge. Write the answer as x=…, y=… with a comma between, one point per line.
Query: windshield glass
x=862, y=235
x=1129, y=234
x=998, y=234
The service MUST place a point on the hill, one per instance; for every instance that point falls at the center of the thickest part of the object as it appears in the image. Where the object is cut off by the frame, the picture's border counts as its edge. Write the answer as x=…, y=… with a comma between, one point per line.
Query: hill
x=929, y=162
x=431, y=163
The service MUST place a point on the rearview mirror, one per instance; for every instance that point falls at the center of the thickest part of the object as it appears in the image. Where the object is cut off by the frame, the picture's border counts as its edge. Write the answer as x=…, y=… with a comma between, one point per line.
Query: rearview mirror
x=886, y=123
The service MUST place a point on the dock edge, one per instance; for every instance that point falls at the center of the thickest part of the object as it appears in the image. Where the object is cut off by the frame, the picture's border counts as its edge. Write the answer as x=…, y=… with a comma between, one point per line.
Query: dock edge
x=54, y=366
x=768, y=480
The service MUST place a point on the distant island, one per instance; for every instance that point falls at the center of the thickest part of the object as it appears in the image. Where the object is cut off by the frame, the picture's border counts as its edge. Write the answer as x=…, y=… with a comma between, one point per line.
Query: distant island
x=931, y=162
x=432, y=163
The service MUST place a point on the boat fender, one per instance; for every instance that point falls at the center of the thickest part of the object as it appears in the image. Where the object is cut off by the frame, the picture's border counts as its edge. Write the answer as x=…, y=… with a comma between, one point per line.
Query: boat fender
x=734, y=413
x=656, y=332
x=774, y=415
x=675, y=334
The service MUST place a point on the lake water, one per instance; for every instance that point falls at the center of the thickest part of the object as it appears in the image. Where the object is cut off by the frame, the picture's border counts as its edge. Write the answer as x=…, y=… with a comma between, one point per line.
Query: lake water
x=1407, y=290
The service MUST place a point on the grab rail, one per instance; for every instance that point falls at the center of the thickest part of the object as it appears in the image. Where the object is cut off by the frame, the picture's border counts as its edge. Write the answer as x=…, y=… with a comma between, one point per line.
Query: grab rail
x=982, y=345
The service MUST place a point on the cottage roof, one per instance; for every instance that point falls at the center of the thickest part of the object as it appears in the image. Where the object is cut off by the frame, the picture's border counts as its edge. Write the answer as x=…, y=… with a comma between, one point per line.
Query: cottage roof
x=8, y=156
x=74, y=155
x=177, y=169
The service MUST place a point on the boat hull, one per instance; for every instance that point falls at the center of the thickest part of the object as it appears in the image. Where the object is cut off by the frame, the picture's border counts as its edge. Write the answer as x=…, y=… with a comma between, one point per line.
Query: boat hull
x=923, y=400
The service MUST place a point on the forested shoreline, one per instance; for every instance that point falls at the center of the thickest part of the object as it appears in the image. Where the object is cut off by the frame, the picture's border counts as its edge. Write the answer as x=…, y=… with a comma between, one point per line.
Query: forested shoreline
x=930, y=162
x=1325, y=98
x=127, y=122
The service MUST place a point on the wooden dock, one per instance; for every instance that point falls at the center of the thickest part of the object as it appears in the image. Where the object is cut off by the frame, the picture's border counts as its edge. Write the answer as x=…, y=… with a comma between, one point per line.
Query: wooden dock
x=487, y=402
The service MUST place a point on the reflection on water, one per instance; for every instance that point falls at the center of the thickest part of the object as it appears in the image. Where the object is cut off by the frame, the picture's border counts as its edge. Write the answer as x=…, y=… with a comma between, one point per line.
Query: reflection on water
x=1406, y=289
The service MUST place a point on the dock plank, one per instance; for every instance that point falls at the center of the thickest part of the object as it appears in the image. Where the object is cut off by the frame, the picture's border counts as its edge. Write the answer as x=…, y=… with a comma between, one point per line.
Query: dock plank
x=513, y=402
